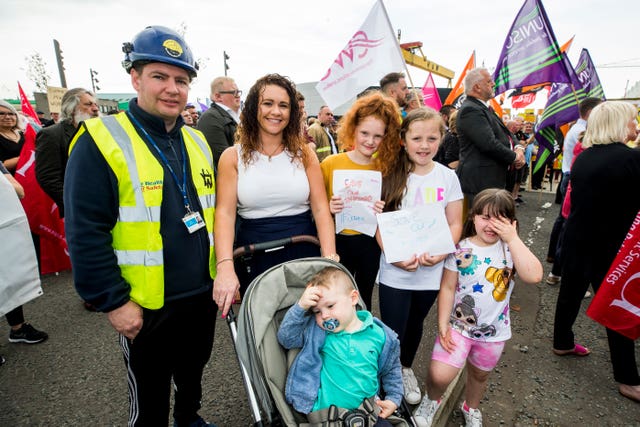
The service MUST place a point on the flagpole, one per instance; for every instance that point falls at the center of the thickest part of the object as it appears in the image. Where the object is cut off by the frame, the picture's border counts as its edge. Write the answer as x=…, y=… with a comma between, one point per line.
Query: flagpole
x=575, y=95
x=406, y=68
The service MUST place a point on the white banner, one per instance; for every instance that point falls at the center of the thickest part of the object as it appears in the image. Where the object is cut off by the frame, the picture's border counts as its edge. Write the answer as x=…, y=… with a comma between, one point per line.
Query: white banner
x=19, y=276
x=372, y=52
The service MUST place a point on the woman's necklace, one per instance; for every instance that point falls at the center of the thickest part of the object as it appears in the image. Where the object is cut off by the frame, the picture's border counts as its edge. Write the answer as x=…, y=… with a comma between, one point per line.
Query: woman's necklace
x=273, y=152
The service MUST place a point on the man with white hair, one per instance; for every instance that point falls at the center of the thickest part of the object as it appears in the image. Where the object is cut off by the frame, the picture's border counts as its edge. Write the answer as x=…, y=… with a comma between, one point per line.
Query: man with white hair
x=219, y=122
x=52, y=142
x=487, y=148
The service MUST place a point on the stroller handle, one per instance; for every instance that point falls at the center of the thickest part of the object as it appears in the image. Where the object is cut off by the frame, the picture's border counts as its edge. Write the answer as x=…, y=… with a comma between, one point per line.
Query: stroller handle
x=265, y=246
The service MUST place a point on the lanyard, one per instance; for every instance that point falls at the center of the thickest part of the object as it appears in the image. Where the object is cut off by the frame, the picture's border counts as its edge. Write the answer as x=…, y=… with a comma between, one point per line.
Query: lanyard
x=183, y=186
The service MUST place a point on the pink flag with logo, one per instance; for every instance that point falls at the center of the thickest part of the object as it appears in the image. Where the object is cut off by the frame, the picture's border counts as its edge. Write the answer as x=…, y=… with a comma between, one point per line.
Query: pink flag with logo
x=430, y=94
x=372, y=52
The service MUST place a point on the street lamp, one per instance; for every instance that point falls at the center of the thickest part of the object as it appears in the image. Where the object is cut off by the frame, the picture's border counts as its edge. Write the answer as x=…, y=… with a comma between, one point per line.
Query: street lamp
x=94, y=80
x=226, y=67
x=60, y=60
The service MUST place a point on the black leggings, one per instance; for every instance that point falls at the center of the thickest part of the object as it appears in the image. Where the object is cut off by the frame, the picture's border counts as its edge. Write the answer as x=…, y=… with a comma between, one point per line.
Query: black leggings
x=360, y=254
x=404, y=311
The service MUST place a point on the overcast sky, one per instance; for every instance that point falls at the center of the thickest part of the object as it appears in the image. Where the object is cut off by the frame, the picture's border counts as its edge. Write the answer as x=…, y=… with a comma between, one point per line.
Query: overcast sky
x=296, y=37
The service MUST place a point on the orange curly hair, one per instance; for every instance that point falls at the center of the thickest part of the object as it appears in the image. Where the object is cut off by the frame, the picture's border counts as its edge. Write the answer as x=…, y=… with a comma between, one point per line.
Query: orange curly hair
x=379, y=106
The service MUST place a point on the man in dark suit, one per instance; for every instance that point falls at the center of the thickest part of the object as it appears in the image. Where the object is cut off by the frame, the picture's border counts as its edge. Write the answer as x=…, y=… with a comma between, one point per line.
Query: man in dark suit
x=52, y=142
x=219, y=122
x=487, y=148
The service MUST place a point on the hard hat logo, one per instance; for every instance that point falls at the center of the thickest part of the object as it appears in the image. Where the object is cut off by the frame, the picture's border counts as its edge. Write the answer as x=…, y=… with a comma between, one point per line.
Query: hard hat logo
x=159, y=44
x=172, y=48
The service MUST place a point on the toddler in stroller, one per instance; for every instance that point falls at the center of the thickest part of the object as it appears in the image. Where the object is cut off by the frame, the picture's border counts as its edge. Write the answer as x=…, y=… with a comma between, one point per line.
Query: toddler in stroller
x=346, y=357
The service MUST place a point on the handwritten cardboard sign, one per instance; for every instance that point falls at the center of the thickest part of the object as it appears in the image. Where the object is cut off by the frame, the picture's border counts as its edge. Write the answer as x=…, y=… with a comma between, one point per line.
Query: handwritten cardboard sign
x=359, y=190
x=415, y=231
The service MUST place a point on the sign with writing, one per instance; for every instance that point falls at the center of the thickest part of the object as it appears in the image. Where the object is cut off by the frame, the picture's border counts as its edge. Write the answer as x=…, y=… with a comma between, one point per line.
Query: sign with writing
x=54, y=96
x=359, y=190
x=415, y=231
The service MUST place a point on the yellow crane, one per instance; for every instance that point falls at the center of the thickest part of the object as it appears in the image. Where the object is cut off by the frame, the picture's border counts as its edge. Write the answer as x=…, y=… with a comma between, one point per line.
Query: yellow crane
x=413, y=55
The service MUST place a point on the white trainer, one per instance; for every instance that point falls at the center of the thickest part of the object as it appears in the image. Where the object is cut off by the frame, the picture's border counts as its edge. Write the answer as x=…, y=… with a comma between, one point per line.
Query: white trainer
x=472, y=417
x=425, y=413
x=411, y=389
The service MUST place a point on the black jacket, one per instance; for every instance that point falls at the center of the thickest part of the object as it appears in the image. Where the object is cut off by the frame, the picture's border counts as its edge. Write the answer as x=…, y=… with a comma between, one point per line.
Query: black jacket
x=219, y=128
x=52, y=153
x=485, y=148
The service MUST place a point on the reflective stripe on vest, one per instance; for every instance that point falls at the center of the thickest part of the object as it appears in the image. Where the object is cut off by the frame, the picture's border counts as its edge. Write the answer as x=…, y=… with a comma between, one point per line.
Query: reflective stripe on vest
x=136, y=235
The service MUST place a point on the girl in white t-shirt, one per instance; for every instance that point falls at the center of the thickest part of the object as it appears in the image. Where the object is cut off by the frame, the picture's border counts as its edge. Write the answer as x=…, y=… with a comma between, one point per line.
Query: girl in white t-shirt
x=473, y=303
x=412, y=179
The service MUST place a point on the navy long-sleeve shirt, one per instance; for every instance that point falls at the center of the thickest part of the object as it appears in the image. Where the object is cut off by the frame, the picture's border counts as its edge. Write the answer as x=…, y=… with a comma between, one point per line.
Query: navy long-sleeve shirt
x=91, y=210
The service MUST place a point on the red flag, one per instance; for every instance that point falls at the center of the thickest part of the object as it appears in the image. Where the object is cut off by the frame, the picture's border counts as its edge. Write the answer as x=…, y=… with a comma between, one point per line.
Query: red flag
x=430, y=94
x=27, y=109
x=617, y=302
x=458, y=89
x=42, y=212
x=522, y=100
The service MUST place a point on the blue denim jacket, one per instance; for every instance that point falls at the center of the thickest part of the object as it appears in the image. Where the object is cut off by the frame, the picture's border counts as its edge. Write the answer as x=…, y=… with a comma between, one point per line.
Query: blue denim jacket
x=298, y=330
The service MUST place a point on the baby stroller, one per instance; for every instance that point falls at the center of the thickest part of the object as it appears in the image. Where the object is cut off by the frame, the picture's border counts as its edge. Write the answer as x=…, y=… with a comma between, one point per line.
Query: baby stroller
x=263, y=361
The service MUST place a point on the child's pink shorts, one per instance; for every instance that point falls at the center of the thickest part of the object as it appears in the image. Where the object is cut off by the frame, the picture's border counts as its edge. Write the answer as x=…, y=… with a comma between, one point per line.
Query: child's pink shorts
x=481, y=354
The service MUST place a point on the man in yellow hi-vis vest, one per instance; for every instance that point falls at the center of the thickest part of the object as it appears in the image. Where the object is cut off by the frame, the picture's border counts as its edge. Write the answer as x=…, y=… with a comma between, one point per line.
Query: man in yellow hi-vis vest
x=139, y=199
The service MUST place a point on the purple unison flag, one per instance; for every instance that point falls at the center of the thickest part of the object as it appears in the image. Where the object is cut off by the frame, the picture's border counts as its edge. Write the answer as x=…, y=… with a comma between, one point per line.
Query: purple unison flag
x=562, y=105
x=531, y=54
x=588, y=76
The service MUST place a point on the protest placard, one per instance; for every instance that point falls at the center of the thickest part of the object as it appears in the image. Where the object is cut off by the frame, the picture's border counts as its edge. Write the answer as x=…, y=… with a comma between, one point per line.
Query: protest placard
x=359, y=190
x=415, y=231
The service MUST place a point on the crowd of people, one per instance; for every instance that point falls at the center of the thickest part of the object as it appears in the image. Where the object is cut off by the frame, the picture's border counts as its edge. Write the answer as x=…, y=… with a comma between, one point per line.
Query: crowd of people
x=196, y=186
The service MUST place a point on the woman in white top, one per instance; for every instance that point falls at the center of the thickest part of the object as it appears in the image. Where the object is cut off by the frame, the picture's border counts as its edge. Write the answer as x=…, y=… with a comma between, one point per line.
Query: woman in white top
x=273, y=180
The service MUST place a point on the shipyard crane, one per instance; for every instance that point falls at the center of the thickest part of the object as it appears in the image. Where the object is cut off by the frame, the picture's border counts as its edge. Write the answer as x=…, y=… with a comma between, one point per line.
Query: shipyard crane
x=413, y=55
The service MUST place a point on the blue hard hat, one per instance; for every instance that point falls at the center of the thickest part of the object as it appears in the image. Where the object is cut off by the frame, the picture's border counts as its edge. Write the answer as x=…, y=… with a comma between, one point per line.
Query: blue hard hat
x=159, y=44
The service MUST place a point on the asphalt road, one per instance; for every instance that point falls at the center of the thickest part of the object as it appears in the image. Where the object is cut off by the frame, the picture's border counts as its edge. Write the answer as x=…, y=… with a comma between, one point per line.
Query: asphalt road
x=77, y=377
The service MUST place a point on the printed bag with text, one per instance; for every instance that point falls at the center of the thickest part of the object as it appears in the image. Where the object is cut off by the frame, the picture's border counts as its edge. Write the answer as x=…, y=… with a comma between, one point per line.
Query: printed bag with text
x=617, y=302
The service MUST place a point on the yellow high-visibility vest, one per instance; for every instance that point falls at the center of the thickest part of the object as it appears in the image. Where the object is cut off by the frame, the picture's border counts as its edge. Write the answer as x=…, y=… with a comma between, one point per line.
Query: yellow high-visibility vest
x=137, y=242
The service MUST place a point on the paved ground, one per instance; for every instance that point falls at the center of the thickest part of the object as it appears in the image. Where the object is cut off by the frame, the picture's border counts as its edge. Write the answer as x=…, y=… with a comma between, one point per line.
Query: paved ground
x=77, y=378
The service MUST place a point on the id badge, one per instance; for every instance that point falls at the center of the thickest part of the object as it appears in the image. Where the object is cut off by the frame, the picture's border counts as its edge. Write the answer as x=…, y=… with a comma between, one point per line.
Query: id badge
x=193, y=221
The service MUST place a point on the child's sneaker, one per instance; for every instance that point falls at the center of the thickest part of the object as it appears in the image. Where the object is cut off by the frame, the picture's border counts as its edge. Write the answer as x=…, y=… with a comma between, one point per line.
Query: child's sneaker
x=472, y=417
x=425, y=413
x=27, y=334
x=411, y=388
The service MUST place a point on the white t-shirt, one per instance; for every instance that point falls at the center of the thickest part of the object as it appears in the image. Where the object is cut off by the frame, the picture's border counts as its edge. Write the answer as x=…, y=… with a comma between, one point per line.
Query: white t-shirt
x=439, y=186
x=271, y=188
x=481, y=303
